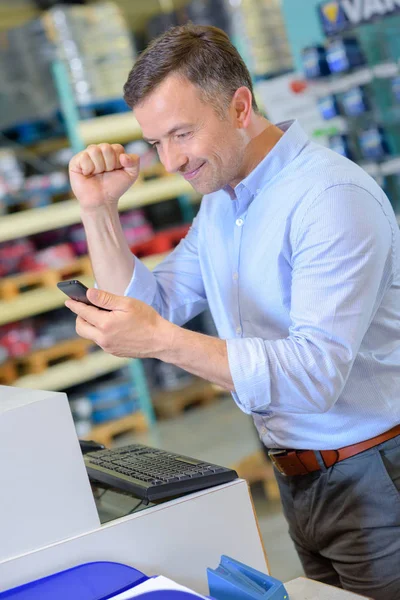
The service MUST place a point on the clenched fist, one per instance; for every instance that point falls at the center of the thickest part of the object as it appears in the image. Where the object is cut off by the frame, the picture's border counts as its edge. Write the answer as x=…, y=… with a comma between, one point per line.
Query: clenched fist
x=101, y=174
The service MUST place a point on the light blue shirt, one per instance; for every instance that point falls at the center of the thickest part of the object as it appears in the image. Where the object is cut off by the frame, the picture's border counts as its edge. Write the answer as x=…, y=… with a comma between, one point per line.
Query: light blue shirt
x=299, y=266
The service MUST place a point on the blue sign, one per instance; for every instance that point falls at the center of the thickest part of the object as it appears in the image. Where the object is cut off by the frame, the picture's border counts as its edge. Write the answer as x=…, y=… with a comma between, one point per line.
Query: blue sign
x=333, y=17
x=340, y=15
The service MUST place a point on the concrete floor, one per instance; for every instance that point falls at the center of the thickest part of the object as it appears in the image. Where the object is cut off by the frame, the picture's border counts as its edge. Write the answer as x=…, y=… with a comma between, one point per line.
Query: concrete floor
x=222, y=434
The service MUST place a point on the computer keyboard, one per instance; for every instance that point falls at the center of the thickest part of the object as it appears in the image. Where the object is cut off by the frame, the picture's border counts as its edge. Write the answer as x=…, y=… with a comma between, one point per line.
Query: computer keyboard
x=153, y=474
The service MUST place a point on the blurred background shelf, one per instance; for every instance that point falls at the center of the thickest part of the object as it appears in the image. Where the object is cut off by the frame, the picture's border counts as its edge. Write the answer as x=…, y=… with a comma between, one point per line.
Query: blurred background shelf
x=67, y=212
x=106, y=434
x=118, y=128
x=169, y=404
x=73, y=372
x=44, y=299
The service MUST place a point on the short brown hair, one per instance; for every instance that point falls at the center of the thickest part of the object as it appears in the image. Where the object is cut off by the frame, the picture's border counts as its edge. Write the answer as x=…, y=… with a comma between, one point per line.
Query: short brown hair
x=202, y=54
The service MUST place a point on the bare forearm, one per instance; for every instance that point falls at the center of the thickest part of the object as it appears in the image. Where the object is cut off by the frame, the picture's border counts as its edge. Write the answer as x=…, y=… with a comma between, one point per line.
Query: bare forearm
x=112, y=260
x=199, y=354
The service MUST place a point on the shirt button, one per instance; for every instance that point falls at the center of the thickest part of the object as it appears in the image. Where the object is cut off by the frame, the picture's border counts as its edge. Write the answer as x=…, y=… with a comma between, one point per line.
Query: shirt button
x=239, y=222
x=238, y=330
x=235, y=276
x=263, y=430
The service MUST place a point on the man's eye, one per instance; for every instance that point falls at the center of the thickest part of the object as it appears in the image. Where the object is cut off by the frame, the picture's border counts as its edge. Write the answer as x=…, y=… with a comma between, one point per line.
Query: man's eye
x=182, y=135
x=154, y=144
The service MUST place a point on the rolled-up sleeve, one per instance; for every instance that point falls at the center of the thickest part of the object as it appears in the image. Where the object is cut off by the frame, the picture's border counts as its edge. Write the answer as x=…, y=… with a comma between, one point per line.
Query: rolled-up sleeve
x=341, y=268
x=143, y=285
x=175, y=288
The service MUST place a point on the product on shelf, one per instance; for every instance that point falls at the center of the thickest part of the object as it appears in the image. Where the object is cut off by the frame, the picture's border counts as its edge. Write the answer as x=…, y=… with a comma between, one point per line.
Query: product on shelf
x=170, y=377
x=44, y=279
x=27, y=93
x=21, y=257
x=166, y=377
x=13, y=255
x=11, y=175
x=38, y=333
x=37, y=343
x=54, y=257
x=314, y=62
x=54, y=327
x=265, y=36
x=22, y=187
x=54, y=237
x=359, y=71
x=341, y=144
x=81, y=409
x=343, y=55
x=373, y=143
x=3, y=354
x=355, y=101
x=329, y=107
x=395, y=84
x=391, y=186
x=20, y=190
x=17, y=338
x=110, y=397
x=77, y=236
x=256, y=28
x=95, y=45
x=162, y=241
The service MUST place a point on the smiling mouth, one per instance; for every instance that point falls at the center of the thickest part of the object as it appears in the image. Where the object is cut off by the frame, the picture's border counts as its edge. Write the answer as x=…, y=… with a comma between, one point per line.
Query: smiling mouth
x=193, y=174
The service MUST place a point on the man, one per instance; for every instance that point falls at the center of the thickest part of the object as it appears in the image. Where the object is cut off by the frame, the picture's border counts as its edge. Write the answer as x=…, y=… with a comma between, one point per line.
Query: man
x=296, y=251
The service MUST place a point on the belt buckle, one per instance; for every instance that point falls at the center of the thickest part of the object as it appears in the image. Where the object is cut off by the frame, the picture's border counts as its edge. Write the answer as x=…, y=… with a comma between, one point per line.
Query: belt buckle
x=273, y=454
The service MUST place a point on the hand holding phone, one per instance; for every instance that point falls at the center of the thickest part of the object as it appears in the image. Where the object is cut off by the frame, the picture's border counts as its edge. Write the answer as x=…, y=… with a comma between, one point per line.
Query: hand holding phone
x=75, y=290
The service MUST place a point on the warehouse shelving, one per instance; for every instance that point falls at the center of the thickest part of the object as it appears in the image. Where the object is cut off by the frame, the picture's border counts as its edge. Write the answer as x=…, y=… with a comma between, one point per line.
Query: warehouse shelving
x=65, y=213
x=117, y=128
x=73, y=372
x=121, y=128
x=362, y=76
x=45, y=299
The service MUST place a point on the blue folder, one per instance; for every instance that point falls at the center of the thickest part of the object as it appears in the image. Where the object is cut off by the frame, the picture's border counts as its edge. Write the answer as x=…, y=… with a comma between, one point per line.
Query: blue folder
x=90, y=581
x=233, y=580
x=103, y=580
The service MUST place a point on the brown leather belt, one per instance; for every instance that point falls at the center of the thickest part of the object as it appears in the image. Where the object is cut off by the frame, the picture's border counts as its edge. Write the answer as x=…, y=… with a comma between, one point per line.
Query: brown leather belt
x=301, y=462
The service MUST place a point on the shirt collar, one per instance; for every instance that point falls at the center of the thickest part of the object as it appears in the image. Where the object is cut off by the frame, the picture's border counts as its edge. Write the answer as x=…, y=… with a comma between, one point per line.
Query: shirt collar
x=282, y=154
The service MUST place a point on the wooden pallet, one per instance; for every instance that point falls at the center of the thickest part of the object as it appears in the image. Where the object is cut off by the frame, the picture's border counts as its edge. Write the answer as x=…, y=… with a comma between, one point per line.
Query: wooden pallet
x=11, y=287
x=172, y=403
x=105, y=434
x=255, y=468
x=8, y=373
x=40, y=360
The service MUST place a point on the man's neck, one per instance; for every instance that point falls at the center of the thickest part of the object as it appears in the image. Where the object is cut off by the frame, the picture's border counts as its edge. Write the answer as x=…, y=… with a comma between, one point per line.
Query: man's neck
x=263, y=137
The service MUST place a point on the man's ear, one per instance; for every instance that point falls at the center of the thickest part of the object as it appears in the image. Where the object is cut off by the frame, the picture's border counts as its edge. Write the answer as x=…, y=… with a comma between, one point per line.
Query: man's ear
x=242, y=106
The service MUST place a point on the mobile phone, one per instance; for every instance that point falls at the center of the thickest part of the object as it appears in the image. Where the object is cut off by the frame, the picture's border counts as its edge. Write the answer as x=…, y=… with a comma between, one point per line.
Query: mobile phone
x=76, y=291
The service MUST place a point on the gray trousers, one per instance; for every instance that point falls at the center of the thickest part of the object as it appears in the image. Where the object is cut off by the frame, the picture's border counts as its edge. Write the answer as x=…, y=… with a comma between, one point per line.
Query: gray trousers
x=345, y=521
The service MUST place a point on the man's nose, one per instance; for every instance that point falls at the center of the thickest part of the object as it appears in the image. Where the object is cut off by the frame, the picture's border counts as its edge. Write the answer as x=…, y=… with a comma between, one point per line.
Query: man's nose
x=173, y=160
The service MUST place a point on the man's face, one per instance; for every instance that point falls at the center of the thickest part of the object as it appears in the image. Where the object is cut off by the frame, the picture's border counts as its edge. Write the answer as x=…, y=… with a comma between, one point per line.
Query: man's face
x=190, y=137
